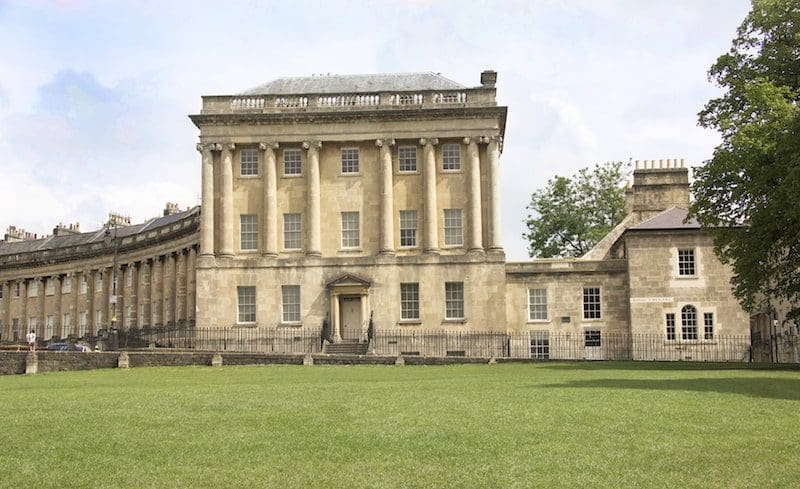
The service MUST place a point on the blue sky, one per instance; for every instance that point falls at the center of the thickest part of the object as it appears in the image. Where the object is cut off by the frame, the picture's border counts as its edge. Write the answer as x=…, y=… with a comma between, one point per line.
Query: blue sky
x=94, y=95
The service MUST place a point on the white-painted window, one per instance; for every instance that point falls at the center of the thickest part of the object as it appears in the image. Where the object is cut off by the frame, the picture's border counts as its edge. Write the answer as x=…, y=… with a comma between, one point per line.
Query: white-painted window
x=408, y=228
x=292, y=232
x=84, y=319
x=66, y=325
x=708, y=325
x=670, y=320
x=33, y=322
x=540, y=345
x=84, y=284
x=407, y=159
x=537, y=305
x=248, y=232
x=292, y=161
x=49, y=286
x=453, y=228
x=17, y=289
x=248, y=162
x=592, y=303
x=451, y=157
x=351, y=235
x=246, y=304
x=592, y=338
x=350, y=160
x=33, y=288
x=290, y=303
x=454, y=300
x=409, y=301
x=66, y=285
x=686, y=263
x=98, y=282
x=689, y=322
x=49, y=326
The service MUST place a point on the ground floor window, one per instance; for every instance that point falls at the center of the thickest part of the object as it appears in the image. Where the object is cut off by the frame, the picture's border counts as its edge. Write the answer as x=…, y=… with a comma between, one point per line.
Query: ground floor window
x=708, y=326
x=689, y=323
x=409, y=301
x=591, y=337
x=670, y=326
x=540, y=345
x=290, y=303
x=246, y=304
x=454, y=300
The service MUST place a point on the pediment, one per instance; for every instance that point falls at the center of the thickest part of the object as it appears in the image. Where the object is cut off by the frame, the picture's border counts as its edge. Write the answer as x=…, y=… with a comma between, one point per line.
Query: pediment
x=349, y=280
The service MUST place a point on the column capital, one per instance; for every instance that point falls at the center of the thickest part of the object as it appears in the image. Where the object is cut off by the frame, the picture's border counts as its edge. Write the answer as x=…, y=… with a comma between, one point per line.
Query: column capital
x=263, y=146
x=312, y=144
x=227, y=146
x=427, y=141
x=472, y=139
x=201, y=147
x=387, y=141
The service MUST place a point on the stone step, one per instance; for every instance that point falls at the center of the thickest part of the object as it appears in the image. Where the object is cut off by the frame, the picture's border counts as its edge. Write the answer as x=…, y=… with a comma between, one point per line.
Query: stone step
x=346, y=348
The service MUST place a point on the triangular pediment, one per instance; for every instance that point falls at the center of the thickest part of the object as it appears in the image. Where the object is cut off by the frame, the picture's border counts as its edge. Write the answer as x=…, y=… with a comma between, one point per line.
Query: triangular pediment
x=349, y=279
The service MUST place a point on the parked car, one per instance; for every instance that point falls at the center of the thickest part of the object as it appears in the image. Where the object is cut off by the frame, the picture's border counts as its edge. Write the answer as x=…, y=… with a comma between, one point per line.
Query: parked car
x=67, y=347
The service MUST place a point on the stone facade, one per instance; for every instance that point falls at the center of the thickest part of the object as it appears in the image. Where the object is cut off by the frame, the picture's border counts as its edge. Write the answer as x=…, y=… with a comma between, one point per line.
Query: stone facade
x=354, y=200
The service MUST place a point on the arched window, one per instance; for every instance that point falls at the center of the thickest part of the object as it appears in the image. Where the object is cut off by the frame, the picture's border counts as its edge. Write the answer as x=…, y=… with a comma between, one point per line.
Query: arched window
x=689, y=323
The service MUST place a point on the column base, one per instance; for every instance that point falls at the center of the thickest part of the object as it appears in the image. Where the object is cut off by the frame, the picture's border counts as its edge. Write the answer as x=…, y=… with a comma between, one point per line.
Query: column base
x=269, y=254
x=313, y=253
x=432, y=251
x=476, y=251
x=387, y=252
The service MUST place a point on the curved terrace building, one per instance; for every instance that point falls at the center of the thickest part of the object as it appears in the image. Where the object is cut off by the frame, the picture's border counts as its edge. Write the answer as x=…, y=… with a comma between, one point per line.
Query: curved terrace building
x=368, y=207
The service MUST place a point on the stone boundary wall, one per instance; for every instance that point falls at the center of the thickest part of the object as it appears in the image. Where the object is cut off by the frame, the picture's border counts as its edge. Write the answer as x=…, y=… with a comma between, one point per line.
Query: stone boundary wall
x=55, y=361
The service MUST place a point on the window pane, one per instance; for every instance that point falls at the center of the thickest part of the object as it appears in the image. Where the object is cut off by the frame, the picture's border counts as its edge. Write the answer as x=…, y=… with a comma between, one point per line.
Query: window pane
x=409, y=301
x=453, y=231
x=540, y=345
x=350, y=230
x=454, y=300
x=407, y=157
x=591, y=337
x=708, y=326
x=290, y=299
x=349, y=160
x=291, y=162
x=670, y=326
x=537, y=304
x=292, y=232
x=248, y=232
x=451, y=156
x=591, y=303
x=247, y=304
x=248, y=162
x=408, y=228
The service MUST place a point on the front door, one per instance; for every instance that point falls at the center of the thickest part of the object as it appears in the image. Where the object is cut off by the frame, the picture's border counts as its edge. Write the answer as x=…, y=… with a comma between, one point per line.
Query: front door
x=350, y=308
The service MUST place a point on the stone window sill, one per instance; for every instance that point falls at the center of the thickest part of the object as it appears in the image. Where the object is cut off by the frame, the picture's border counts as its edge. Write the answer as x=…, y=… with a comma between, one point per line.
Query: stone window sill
x=291, y=325
x=454, y=321
x=409, y=322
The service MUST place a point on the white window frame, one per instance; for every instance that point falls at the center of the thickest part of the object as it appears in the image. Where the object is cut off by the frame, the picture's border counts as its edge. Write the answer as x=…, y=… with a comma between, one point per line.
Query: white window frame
x=66, y=324
x=351, y=235
x=17, y=290
x=689, y=320
x=49, y=327
x=708, y=326
x=592, y=338
x=49, y=286
x=246, y=304
x=248, y=163
x=670, y=330
x=248, y=232
x=451, y=157
x=350, y=161
x=98, y=282
x=454, y=300
x=537, y=303
x=540, y=345
x=84, y=285
x=291, y=163
x=592, y=313
x=291, y=312
x=290, y=236
x=33, y=288
x=453, y=228
x=407, y=159
x=409, y=301
x=66, y=285
x=408, y=234
x=83, y=322
x=687, y=262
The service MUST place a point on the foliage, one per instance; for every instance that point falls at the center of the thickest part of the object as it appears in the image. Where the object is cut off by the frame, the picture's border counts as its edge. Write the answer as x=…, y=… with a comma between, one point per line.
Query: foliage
x=748, y=192
x=555, y=424
x=571, y=214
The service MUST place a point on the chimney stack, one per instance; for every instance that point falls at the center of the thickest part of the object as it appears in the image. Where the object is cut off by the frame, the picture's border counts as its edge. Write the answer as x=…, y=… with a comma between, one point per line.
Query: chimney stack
x=488, y=78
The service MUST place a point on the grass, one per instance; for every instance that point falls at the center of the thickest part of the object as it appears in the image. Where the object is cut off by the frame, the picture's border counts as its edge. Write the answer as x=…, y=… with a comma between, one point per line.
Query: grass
x=466, y=426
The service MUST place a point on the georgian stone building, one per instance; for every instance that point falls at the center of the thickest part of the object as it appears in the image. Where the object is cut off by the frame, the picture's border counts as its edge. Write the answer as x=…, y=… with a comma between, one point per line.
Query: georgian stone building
x=358, y=200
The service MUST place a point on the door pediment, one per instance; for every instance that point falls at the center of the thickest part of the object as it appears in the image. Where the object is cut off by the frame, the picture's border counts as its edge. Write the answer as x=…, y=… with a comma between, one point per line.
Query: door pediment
x=348, y=280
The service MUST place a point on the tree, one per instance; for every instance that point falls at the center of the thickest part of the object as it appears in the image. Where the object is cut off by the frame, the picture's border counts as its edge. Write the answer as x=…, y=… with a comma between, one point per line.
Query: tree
x=571, y=214
x=747, y=194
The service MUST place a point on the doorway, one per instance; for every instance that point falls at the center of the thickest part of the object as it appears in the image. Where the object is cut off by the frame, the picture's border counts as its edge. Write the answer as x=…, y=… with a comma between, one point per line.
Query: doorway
x=350, y=320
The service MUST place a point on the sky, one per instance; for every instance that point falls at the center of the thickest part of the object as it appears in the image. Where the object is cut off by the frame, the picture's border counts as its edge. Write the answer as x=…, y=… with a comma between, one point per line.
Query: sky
x=94, y=96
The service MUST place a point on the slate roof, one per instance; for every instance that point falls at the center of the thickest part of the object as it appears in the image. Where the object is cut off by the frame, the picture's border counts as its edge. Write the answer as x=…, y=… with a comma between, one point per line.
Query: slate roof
x=53, y=242
x=669, y=219
x=389, y=82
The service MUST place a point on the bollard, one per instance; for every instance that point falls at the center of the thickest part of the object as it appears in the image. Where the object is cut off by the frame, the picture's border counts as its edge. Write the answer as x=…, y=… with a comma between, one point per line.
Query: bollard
x=123, y=361
x=216, y=360
x=31, y=363
x=399, y=360
x=308, y=359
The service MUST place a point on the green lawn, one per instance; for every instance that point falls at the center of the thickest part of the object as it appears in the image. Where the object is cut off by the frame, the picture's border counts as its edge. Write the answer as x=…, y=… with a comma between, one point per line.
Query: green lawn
x=494, y=426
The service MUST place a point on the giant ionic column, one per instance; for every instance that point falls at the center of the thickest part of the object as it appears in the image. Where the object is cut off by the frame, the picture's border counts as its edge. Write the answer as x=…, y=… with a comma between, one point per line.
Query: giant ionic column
x=387, y=196
x=139, y=313
x=226, y=200
x=474, y=195
x=58, y=317
x=495, y=228
x=429, y=188
x=207, y=209
x=313, y=198
x=190, y=283
x=270, y=200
